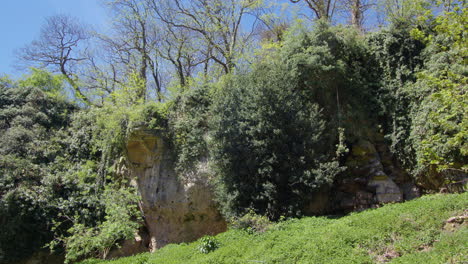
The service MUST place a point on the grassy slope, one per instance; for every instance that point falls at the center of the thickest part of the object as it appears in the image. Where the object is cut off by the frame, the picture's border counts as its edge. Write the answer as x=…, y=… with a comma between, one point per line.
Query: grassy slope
x=413, y=230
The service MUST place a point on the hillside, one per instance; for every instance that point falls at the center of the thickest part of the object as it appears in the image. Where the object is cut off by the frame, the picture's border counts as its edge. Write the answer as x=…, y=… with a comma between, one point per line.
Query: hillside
x=190, y=119
x=410, y=232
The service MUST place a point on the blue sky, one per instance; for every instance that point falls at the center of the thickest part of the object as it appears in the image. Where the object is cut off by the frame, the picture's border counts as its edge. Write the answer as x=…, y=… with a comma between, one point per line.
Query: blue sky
x=21, y=20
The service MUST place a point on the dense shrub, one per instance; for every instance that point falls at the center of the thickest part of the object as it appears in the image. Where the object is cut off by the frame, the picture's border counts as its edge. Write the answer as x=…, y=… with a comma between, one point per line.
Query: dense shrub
x=120, y=222
x=271, y=142
x=58, y=184
x=398, y=56
x=423, y=94
x=439, y=131
x=31, y=144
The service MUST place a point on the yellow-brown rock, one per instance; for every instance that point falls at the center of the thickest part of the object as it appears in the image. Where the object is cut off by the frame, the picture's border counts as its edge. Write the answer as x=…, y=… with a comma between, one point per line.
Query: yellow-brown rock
x=176, y=208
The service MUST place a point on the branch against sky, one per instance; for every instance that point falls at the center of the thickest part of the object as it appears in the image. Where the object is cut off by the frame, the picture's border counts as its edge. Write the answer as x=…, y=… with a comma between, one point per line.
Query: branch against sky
x=218, y=22
x=323, y=9
x=134, y=42
x=356, y=9
x=58, y=48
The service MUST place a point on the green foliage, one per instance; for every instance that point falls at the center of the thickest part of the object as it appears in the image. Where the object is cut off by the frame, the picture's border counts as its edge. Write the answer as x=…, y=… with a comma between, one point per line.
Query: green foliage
x=423, y=96
x=58, y=185
x=332, y=63
x=51, y=84
x=268, y=145
x=114, y=121
x=31, y=144
x=398, y=57
x=365, y=237
x=268, y=124
x=109, y=127
x=440, y=127
x=137, y=259
x=251, y=222
x=275, y=133
x=208, y=244
x=188, y=126
x=120, y=222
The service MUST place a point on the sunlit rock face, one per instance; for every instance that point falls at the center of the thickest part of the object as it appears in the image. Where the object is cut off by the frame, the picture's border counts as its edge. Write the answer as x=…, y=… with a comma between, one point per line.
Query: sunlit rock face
x=176, y=208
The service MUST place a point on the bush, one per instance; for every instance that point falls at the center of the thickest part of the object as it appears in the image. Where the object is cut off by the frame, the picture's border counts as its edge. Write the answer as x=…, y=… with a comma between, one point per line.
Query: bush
x=439, y=130
x=208, y=244
x=398, y=57
x=121, y=222
x=252, y=222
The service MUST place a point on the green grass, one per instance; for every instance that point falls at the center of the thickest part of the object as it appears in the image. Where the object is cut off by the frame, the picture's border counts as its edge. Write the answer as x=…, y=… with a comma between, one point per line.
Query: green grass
x=411, y=231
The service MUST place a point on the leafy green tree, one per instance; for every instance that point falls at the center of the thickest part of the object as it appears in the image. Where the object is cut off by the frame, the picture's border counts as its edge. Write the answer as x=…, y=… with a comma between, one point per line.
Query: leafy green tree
x=439, y=130
x=188, y=126
x=57, y=170
x=44, y=80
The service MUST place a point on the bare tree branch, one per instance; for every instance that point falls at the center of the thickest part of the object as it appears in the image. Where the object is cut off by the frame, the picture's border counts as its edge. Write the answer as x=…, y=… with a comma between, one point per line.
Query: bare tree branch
x=58, y=49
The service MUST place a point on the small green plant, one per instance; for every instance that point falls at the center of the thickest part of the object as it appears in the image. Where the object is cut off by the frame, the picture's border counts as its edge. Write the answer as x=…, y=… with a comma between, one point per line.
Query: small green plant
x=208, y=244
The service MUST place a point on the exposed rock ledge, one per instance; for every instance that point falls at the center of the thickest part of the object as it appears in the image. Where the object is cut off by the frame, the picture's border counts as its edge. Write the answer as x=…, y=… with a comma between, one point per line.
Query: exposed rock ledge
x=174, y=210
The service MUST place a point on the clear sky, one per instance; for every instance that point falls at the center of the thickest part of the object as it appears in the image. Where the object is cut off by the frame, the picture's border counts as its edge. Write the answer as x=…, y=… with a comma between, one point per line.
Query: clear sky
x=21, y=20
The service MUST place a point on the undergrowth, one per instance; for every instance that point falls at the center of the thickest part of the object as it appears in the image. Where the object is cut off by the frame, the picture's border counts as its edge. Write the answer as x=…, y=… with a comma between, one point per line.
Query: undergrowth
x=410, y=232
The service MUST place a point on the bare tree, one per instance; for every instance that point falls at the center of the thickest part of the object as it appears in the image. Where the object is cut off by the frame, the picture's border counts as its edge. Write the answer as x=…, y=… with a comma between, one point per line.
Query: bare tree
x=357, y=8
x=58, y=48
x=135, y=42
x=180, y=49
x=100, y=75
x=217, y=22
x=323, y=9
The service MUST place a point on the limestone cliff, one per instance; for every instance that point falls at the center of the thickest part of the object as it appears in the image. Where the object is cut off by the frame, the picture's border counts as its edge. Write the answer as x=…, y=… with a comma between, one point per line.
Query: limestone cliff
x=181, y=208
x=175, y=208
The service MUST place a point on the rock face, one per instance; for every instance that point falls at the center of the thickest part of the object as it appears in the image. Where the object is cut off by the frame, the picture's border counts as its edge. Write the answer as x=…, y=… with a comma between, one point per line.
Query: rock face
x=181, y=208
x=373, y=177
x=176, y=209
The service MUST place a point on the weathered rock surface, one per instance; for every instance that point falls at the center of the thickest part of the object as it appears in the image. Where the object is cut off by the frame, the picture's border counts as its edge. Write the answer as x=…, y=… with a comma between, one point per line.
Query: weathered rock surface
x=373, y=177
x=176, y=208
x=181, y=208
